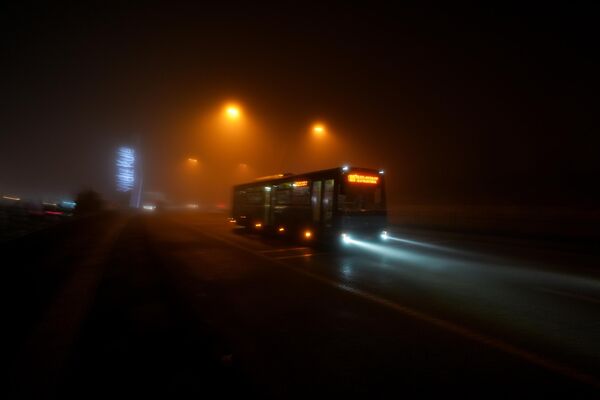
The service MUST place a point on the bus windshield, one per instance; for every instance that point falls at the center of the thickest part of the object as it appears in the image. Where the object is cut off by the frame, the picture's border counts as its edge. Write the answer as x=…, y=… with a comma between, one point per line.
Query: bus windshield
x=361, y=198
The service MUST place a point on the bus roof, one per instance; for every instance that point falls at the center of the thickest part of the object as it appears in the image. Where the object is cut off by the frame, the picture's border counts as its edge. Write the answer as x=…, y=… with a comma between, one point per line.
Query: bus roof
x=281, y=178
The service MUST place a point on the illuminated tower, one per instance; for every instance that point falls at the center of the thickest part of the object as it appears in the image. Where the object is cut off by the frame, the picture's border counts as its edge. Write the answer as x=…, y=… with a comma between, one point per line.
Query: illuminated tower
x=128, y=179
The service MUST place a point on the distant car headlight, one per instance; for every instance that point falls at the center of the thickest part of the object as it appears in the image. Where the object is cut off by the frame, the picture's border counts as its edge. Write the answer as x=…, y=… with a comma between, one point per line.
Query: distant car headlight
x=384, y=235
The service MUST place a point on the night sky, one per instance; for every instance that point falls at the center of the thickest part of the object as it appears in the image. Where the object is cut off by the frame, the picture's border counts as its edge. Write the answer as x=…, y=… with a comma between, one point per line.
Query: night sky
x=460, y=106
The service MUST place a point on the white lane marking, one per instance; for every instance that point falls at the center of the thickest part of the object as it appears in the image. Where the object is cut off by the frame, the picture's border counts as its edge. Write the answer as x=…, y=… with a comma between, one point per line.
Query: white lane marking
x=283, y=250
x=498, y=344
x=570, y=295
x=298, y=256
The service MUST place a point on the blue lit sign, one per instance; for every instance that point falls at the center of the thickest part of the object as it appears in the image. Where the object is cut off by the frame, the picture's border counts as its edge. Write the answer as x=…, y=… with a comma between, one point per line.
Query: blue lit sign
x=125, y=169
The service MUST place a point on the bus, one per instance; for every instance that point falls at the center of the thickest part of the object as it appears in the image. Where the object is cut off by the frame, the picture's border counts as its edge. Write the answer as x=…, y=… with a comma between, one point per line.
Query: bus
x=339, y=203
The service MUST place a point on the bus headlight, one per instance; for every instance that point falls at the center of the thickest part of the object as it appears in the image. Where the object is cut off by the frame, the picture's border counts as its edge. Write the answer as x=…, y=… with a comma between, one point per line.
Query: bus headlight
x=346, y=238
x=384, y=235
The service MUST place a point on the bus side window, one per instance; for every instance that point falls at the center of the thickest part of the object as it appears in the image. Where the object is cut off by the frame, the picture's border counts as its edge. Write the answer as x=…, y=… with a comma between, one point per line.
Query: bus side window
x=341, y=202
x=315, y=201
x=301, y=196
x=328, y=201
x=255, y=196
x=283, y=195
x=239, y=201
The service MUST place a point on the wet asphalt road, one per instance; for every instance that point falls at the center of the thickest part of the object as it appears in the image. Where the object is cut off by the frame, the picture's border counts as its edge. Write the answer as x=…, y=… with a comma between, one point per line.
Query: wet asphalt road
x=181, y=304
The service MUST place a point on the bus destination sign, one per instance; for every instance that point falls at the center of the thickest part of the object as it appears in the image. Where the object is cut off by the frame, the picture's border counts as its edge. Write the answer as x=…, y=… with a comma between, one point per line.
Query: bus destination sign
x=356, y=178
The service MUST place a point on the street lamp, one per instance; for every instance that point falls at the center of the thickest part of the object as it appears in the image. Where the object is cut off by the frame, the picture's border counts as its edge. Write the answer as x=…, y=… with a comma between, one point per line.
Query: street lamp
x=318, y=130
x=232, y=112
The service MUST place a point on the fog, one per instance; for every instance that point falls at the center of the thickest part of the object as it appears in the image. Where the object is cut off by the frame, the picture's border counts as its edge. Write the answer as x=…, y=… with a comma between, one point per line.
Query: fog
x=494, y=109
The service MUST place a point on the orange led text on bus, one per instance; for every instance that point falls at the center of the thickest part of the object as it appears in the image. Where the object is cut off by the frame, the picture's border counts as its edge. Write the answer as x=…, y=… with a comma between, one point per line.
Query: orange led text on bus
x=355, y=178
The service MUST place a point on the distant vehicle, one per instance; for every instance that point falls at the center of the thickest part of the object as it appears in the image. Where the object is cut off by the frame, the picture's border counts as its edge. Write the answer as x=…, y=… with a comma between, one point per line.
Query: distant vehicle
x=52, y=209
x=340, y=203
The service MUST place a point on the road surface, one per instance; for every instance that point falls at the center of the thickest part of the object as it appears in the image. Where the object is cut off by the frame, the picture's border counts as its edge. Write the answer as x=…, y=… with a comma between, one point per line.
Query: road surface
x=178, y=304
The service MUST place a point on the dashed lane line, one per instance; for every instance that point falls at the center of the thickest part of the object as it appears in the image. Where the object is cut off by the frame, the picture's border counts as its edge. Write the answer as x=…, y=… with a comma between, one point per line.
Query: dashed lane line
x=305, y=255
x=283, y=250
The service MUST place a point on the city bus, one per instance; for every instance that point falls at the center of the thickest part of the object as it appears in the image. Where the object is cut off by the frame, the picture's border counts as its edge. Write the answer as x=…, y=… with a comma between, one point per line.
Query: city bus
x=338, y=203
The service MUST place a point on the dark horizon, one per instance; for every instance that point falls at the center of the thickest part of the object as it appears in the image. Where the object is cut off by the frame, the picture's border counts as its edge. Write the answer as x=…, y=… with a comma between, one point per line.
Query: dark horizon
x=460, y=106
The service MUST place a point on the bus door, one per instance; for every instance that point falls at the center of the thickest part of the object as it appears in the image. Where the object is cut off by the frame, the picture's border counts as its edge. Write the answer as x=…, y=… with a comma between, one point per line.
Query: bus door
x=328, y=203
x=315, y=201
x=267, y=216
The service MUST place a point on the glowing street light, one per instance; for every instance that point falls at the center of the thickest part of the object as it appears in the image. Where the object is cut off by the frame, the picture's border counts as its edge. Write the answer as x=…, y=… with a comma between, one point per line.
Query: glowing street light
x=193, y=161
x=318, y=130
x=232, y=112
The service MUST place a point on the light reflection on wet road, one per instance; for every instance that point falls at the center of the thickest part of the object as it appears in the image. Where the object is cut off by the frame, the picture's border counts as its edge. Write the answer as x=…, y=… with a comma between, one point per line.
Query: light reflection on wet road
x=547, y=311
